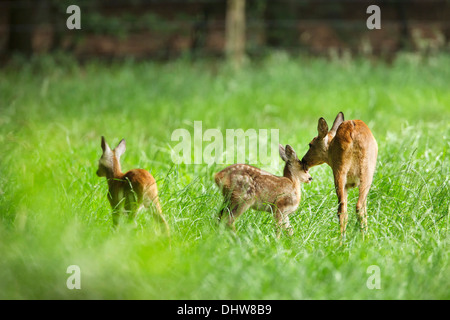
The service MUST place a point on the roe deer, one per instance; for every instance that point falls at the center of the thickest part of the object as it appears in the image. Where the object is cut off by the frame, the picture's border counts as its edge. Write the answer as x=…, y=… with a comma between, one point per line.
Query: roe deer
x=244, y=186
x=133, y=190
x=350, y=149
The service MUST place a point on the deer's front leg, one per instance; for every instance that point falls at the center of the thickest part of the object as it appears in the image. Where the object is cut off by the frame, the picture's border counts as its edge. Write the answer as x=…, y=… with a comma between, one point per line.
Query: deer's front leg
x=283, y=223
x=287, y=225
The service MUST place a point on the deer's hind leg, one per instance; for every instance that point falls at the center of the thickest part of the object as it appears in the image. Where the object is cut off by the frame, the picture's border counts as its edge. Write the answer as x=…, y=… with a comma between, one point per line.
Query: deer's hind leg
x=361, y=205
x=132, y=205
x=236, y=212
x=233, y=208
x=151, y=203
x=228, y=205
x=155, y=208
x=224, y=209
x=341, y=192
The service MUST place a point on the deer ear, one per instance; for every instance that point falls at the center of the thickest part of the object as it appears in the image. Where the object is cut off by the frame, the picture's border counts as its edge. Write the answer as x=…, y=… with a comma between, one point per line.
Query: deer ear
x=282, y=153
x=322, y=128
x=105, y=145
x=290, y=153
x=120, y=149
x=337, y=122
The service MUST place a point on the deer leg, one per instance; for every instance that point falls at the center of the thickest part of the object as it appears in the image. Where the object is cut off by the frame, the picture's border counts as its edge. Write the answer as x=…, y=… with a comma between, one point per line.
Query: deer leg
x=131, y=206
x=341, y=192
x=158, y=215
x=283, y=223
x=156, y=205
x=155, y=209
x=116, y=210
x=222, y=211
x=225, y=209
x=115, y=217
x=361, y=206
x=235, y=212
x=287, y=225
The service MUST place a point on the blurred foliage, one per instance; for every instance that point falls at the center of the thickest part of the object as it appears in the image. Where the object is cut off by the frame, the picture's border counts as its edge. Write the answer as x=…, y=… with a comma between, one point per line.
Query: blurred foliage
x=96, y=20
x=196, y=27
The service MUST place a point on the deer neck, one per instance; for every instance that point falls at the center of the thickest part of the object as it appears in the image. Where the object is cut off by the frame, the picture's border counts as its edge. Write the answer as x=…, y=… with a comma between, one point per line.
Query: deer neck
x=330, y=138
x=116, y=172
x=287, y=173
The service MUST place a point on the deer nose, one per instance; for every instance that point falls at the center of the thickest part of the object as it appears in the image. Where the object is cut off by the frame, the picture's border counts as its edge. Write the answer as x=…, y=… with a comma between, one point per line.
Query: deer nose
x=310, y=178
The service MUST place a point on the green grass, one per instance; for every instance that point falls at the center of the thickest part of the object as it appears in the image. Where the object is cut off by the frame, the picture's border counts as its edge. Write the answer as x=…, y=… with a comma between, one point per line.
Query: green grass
x=54, y=212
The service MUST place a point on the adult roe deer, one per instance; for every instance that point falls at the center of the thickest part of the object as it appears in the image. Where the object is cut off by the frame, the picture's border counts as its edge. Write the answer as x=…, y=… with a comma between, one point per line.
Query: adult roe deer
x=133, y=190
x=350, y=149
x=244, y=186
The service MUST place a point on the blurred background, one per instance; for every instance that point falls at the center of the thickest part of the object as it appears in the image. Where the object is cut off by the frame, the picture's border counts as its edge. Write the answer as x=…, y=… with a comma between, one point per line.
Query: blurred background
x=237, y=29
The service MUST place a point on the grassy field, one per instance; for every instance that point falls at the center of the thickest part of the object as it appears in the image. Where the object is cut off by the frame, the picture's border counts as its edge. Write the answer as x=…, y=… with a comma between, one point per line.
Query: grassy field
x=54, y=212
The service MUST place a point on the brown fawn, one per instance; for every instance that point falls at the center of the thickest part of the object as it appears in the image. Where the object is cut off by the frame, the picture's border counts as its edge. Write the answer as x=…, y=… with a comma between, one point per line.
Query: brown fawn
x=350, y=149
x=133, y=190
x=244, y=186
